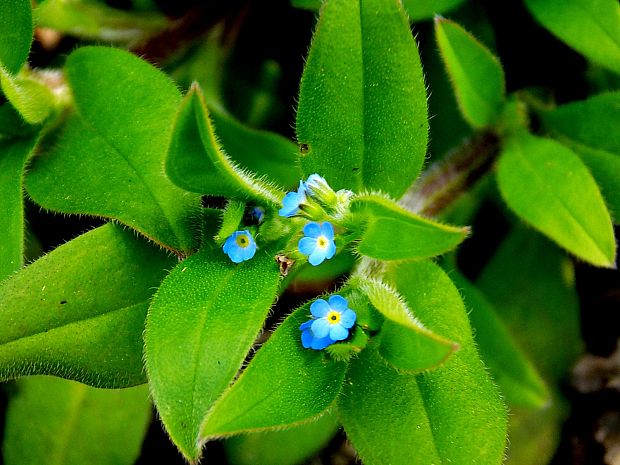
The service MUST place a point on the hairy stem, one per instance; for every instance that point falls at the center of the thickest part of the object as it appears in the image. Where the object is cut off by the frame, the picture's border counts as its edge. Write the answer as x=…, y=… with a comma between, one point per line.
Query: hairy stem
x=446, y=180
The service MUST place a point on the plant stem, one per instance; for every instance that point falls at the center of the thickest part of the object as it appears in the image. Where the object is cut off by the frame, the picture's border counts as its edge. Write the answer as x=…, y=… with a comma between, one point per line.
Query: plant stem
x=446, y=180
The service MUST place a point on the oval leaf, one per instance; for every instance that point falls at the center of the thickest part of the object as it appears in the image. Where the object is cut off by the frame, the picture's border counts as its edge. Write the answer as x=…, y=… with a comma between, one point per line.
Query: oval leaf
x=31, y=99
x=429, y=417
x=511, y=369
x=79, y=311
x=265, y=153
x=593, y=122
x=592, y=27
x=404, y=342
x=13, y=154
x=284, y=385
x=476, y=74
x=548, y=186
x=200, y=327
x=362, y=114
x=56, y=421
x=197, y=163
x=15, y=33
x=122, y=129
x=393, y=233
x=291, y=446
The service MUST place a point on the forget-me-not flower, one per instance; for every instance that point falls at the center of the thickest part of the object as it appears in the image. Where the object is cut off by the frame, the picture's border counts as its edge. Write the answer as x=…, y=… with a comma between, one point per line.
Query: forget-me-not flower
x=331, y=323
x=318, y=242
x=259, y=214
x=292, y=201
x=240, y=246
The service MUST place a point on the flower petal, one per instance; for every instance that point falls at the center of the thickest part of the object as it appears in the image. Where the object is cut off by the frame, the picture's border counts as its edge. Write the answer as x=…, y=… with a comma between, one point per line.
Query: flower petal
x=320, y=327
x=319, y=308
x=305, y=325
x=321, y=343
x=331, y=249
x=307, y=339
x=236, y=254
x=317, y=257
x=327, y=230
x=348, y=318
x=312, y=229
x=339, y=303
x=306, y=245
x=338, y=332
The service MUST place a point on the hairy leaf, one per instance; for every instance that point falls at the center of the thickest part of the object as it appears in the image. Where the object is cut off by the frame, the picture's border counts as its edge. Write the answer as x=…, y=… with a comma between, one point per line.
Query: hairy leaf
x=196, y=161
x=79, y=311
x=531, y=285
x=31, y=99
x=516, y=376
x=15, y=33
x=548, y=186
x=592, y=27
x=108, y=161
x=393, y=233
x=284, y=385
x=13, y=155
x=477, y=75
x=362, y=117
x=429, y=417
x=200, y=327
x=419, y=10
x=60, y=422
x=404, y=341
x=289, y=446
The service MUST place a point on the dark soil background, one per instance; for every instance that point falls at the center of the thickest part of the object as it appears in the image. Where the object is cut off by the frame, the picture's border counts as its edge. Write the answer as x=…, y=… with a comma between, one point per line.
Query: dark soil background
x=531, y=57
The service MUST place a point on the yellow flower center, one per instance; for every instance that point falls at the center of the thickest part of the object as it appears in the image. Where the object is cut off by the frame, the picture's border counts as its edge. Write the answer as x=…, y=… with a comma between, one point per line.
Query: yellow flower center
x=242, y=241
x=322, y=242
x=333, y=317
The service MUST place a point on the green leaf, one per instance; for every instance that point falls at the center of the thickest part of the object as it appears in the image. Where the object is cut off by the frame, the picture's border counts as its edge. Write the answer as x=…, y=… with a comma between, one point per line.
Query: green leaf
x=429, y=417
x=15, y=33
x=264, y=153
x=394, y=233
x=419, y=10
x=196, y=161
x=200, y=327
x=55, y=421
x=125, y=113
x=548, y=186
x=477, y=75
x=511, y=369
x=79, y=311
x=593, y=122
x=94, y=20
x=13, y=155
x=30, y=98
x=404, y=341
x=589, y=127
x=284, y=385
x=286, y=447
x=605, y=167
x=362, y=117
x=531, y=285
x=592, y=27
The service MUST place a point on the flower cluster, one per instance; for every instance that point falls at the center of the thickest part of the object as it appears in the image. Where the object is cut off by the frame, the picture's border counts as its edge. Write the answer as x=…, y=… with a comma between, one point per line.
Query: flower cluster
x=331, y=321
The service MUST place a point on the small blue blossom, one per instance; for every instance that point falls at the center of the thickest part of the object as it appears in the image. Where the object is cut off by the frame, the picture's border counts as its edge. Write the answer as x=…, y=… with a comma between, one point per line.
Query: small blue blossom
x=292, y=201
x=259, y=214
x=240, y=246
x=317, y=187
x=318, y=242
x=330, y=323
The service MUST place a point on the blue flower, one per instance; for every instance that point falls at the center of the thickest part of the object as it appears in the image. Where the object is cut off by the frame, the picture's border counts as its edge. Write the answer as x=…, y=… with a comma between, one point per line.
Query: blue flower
x=240, y=246
x=292, y=201
x=317, y=187
x=318, y=242
x=259, y=214
x=330, y=323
